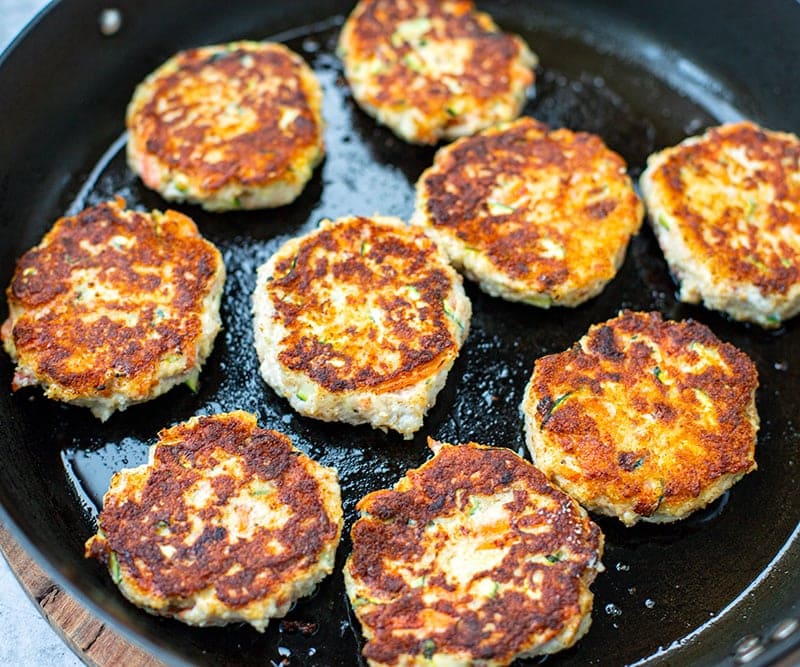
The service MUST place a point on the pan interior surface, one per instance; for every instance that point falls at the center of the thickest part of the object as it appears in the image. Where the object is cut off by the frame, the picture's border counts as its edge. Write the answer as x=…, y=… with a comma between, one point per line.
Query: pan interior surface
x=671, y=594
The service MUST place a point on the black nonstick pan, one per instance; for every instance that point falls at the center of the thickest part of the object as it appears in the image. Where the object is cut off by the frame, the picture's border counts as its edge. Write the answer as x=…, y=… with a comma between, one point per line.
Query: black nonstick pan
x=718, y=588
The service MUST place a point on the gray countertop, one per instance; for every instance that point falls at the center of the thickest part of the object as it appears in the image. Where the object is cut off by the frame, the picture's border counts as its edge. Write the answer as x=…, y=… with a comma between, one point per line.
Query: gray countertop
x=26, y=638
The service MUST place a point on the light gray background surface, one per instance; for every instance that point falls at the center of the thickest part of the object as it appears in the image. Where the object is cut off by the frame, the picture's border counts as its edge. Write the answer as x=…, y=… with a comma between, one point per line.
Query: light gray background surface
x=26, y=638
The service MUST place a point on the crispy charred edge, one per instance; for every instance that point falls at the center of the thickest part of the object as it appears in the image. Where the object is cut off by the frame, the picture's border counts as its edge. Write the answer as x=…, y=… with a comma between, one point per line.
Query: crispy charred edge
x=767, y=269
x=43, y=275
x=372, y=24
x=560, y=413
x=133, y=531
x=392, y=525
x=252, y=158
x=302, y=272
x=455, y=196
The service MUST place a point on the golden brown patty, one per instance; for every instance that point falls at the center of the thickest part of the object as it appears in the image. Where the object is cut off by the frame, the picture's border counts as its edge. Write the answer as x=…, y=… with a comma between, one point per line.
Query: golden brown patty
x=230, y=126
x=227, y=522
x=431, y=69
x=533, y=215
x=360, y=321
x=474, y=558
x=726, y=210
x=644, y=418
x=114, y=307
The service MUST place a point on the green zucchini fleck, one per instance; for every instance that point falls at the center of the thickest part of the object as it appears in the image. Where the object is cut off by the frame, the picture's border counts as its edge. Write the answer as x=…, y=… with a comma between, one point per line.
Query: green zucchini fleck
x=661, y=495
x=451, y=315
x=757, y=263
x=113, y=568
x=541, y=301
x=412, y=63
x=193, y=382
x=662, y=220
x=291, y=267
x=428, y=648
x=556, y=404
x=498, y=208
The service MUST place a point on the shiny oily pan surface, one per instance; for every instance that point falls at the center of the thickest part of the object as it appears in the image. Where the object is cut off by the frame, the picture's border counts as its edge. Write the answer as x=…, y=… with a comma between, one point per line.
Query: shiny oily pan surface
x=675, y=593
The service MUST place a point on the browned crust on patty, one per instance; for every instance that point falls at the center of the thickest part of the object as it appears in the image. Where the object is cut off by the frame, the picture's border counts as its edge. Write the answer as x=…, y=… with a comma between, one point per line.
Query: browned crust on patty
x=493, y=59
x=364, y=257
x=564, y=215
x=671, y=433
x=178, y=122
x=732, y=217
x=136, y=528
x=493, y=50
x=63, y=342
x=393, y=527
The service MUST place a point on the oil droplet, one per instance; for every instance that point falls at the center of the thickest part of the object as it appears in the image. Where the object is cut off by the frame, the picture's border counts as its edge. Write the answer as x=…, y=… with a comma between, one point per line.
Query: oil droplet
x=110, y=21
x=649, y=603
x=622, y=567
x=781, y=366
x=693, y=125
x=284, y=651
x=310, y=45
x=613, y=610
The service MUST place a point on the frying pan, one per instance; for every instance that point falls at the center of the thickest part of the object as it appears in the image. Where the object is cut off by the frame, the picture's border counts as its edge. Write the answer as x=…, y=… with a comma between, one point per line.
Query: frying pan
x=718, y=587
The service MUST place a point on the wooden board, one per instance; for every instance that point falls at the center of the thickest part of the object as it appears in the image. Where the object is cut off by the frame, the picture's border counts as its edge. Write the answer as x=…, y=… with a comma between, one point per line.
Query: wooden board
x=93, y=641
